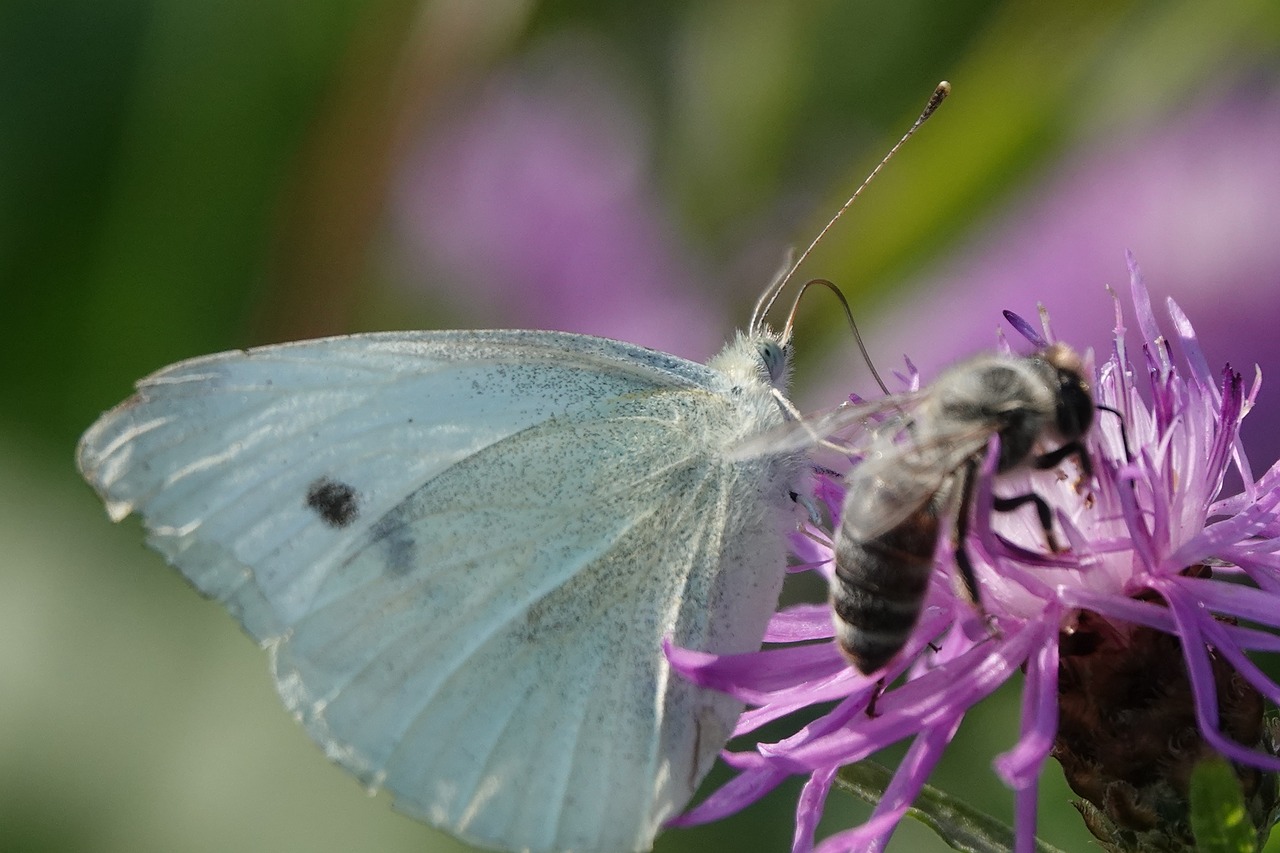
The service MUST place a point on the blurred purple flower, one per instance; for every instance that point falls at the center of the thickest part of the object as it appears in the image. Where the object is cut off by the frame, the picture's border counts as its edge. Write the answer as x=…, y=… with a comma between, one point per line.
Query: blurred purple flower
x=1159, y=570
x=534, y=203
x=1199, y=197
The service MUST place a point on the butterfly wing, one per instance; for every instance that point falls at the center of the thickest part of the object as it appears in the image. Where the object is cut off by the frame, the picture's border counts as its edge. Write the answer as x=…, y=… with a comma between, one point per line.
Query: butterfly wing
x=463, y=551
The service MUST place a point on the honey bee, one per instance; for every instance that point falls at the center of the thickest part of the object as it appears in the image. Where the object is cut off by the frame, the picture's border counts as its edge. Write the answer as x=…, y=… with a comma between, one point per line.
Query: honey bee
x=922, y=467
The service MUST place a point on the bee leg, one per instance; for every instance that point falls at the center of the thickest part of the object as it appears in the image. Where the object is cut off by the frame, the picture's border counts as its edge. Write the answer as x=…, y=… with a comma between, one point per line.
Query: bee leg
x=963, y=563
x=961, y=533
x=1053, y=458
x=876, y=693
x=1124, y=433
x=1042, y=512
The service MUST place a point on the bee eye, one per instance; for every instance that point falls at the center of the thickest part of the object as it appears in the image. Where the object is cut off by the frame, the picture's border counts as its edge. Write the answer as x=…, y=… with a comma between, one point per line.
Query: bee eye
x=774, y=356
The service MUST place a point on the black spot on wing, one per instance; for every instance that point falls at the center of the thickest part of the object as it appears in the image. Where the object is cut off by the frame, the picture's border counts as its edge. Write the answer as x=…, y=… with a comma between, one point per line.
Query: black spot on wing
x=336, y=503
x=393, y=536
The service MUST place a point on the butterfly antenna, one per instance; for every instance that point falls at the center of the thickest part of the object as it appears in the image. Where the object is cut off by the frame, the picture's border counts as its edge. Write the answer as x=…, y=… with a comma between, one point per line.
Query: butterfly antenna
x=770, y=295
x=848, y=314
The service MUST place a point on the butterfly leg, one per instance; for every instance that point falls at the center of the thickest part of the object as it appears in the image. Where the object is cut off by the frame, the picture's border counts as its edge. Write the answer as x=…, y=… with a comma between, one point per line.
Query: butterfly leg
x=811, y=507
x=815, y=515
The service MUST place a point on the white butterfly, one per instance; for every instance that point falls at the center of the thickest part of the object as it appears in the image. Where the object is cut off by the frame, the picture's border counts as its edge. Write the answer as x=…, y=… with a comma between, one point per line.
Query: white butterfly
x=463, y=551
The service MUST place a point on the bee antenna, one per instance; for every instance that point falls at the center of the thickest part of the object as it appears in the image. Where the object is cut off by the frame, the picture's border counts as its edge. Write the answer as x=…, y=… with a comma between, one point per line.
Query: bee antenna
x=848, y=314
x=770, y=295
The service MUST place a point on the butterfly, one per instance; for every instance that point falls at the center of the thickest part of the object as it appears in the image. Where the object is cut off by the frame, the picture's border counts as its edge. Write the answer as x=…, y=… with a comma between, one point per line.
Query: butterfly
x=463, y=551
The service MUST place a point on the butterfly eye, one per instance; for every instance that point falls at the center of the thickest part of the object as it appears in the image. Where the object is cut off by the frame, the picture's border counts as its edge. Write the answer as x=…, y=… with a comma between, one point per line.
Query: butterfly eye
x=774, y=356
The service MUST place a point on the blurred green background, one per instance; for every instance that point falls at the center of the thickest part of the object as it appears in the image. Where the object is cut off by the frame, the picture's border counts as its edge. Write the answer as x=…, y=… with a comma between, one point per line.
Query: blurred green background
x=179, y=178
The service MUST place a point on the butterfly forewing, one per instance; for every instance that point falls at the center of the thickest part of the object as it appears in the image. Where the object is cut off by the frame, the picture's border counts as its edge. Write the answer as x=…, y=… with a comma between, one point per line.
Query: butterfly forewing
x=464, y=551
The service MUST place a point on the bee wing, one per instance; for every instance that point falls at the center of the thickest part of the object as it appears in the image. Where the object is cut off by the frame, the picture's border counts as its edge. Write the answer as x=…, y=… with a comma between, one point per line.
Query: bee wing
x=463, y=551
x=837, y=423
x=899, y=474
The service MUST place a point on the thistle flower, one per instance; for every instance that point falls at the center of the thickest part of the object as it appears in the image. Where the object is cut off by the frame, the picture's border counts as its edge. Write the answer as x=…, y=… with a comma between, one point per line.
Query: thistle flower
x=1130, y=641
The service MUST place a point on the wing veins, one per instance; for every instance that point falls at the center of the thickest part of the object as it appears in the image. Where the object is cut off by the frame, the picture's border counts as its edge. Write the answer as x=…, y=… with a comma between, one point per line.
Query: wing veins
x=479, y=640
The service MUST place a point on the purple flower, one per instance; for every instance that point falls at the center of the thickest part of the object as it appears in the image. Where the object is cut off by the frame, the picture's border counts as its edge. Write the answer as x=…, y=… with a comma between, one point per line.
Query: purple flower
x=1138, y=620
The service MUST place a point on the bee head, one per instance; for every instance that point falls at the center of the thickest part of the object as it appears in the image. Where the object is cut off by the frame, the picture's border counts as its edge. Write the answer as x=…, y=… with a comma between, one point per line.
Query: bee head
x=1075, y=401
